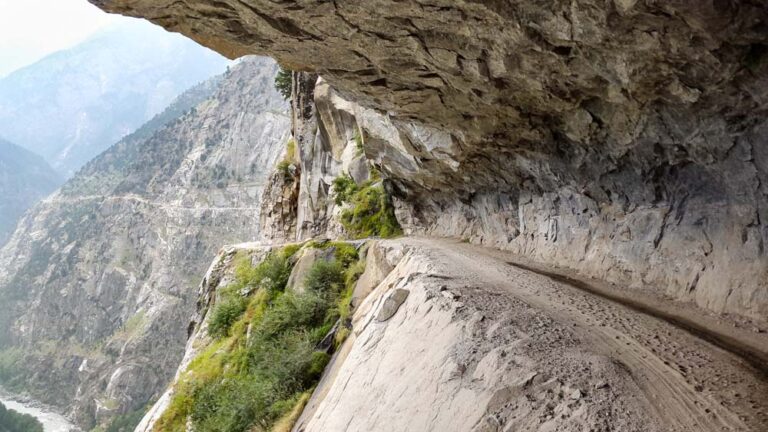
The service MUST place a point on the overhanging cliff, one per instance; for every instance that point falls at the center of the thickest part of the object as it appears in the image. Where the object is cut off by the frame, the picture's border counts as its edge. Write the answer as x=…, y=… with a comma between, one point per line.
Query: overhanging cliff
x=624, y=138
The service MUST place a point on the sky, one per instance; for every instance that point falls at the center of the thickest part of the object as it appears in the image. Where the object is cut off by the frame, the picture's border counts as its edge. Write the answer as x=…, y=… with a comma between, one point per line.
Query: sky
x=32, y=29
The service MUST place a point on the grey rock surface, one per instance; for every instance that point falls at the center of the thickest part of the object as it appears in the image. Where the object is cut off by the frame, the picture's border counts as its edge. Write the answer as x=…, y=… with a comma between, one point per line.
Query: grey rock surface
x=392, y=304
x=520, y=351
x=301, y=205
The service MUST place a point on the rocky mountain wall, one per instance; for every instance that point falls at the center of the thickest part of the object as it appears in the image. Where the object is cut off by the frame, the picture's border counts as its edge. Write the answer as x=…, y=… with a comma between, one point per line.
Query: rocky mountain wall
x=299, y=201
x=626, y=139
x=25, y=178
x=98, y=282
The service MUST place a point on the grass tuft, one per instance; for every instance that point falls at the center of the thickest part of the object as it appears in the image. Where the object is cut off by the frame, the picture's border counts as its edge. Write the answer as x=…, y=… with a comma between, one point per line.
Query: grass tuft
x=257, y=375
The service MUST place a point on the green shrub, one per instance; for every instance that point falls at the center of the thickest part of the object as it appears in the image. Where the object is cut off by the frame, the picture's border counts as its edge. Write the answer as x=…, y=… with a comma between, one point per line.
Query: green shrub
x=290, y=150
x=271, y=274
x=341, y=336
x=225, y=313
x=284, y=82
x=287, y=360
x=344, y=187
x=284, y=168
x=345, y=254
x=231, y=404
x=261, y=381
x=359, y=141
x=292, y=311
x=325, y=276
x=371, y=214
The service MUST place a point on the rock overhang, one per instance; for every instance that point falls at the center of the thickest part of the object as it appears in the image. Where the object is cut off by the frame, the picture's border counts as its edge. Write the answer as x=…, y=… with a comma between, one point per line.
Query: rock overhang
x=625, y=138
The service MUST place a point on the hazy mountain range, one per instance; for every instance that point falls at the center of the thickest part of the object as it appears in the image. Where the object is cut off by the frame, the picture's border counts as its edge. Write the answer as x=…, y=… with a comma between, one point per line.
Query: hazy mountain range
x=74, y=104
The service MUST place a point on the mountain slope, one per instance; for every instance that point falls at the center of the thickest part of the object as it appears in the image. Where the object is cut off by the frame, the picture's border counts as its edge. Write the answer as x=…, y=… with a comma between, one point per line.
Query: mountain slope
x=24, y=179
x=73, y=104
x=100, y=277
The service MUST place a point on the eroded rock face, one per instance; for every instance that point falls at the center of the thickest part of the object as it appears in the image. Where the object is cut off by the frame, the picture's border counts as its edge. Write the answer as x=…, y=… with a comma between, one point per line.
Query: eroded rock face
x=298, y=203
x=624, y=138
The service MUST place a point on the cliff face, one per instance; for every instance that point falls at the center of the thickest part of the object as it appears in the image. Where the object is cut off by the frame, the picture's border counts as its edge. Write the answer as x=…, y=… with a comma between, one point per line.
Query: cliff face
x=299, y=202
x=620, y=138
x=98, y=280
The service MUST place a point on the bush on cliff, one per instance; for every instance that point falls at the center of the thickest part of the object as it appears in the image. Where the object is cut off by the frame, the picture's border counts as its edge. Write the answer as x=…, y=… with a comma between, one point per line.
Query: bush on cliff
x=370, y=212
x=344, y=187
x=258, y=373
x=271, y=275
x=284, y=82
x=226, y=313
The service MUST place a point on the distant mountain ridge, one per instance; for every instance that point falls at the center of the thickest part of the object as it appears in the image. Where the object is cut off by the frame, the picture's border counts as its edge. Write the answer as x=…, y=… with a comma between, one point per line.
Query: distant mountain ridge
x=25, y=178
x=73, y=104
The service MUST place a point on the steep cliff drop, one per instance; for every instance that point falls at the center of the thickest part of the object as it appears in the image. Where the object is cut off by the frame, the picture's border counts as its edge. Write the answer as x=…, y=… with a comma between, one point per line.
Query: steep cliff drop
x=622, y=141
x=97, y=282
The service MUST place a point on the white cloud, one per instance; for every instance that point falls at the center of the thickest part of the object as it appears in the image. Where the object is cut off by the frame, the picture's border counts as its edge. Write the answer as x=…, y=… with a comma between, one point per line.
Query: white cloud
x=31, y=29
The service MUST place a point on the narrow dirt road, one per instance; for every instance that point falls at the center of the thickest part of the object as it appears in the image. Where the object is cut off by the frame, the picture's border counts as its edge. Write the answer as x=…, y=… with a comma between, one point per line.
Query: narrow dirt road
x=691, y=378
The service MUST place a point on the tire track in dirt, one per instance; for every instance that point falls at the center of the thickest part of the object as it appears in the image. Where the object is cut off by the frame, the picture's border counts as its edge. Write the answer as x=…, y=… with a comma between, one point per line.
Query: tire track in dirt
x=694, y=379
x=755, y=356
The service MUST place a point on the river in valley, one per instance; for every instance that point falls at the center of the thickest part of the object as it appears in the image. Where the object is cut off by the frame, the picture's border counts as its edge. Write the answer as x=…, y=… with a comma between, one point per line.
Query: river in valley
x=52, y=421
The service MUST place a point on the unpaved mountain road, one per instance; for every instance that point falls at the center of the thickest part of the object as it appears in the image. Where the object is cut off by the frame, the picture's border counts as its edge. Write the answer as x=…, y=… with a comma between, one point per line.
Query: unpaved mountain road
x=691, y=372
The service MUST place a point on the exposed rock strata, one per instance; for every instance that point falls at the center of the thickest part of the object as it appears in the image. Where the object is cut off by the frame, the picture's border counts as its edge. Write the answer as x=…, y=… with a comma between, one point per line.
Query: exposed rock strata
x=99, y=278
x=325, y=129
x=625, y=139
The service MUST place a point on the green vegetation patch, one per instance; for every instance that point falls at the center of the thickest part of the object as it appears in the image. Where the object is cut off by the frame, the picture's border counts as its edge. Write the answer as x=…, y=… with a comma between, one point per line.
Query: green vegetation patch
x=270, y=275
x=370, y=212
x=12, y=421
x=284, y=82
x=284, y=166
x=267, y=355
x=345, y=187
x=359, y=141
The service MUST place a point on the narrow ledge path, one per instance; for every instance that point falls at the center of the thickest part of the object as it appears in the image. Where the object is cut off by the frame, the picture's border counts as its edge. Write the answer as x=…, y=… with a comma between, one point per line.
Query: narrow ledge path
x=695, y=372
